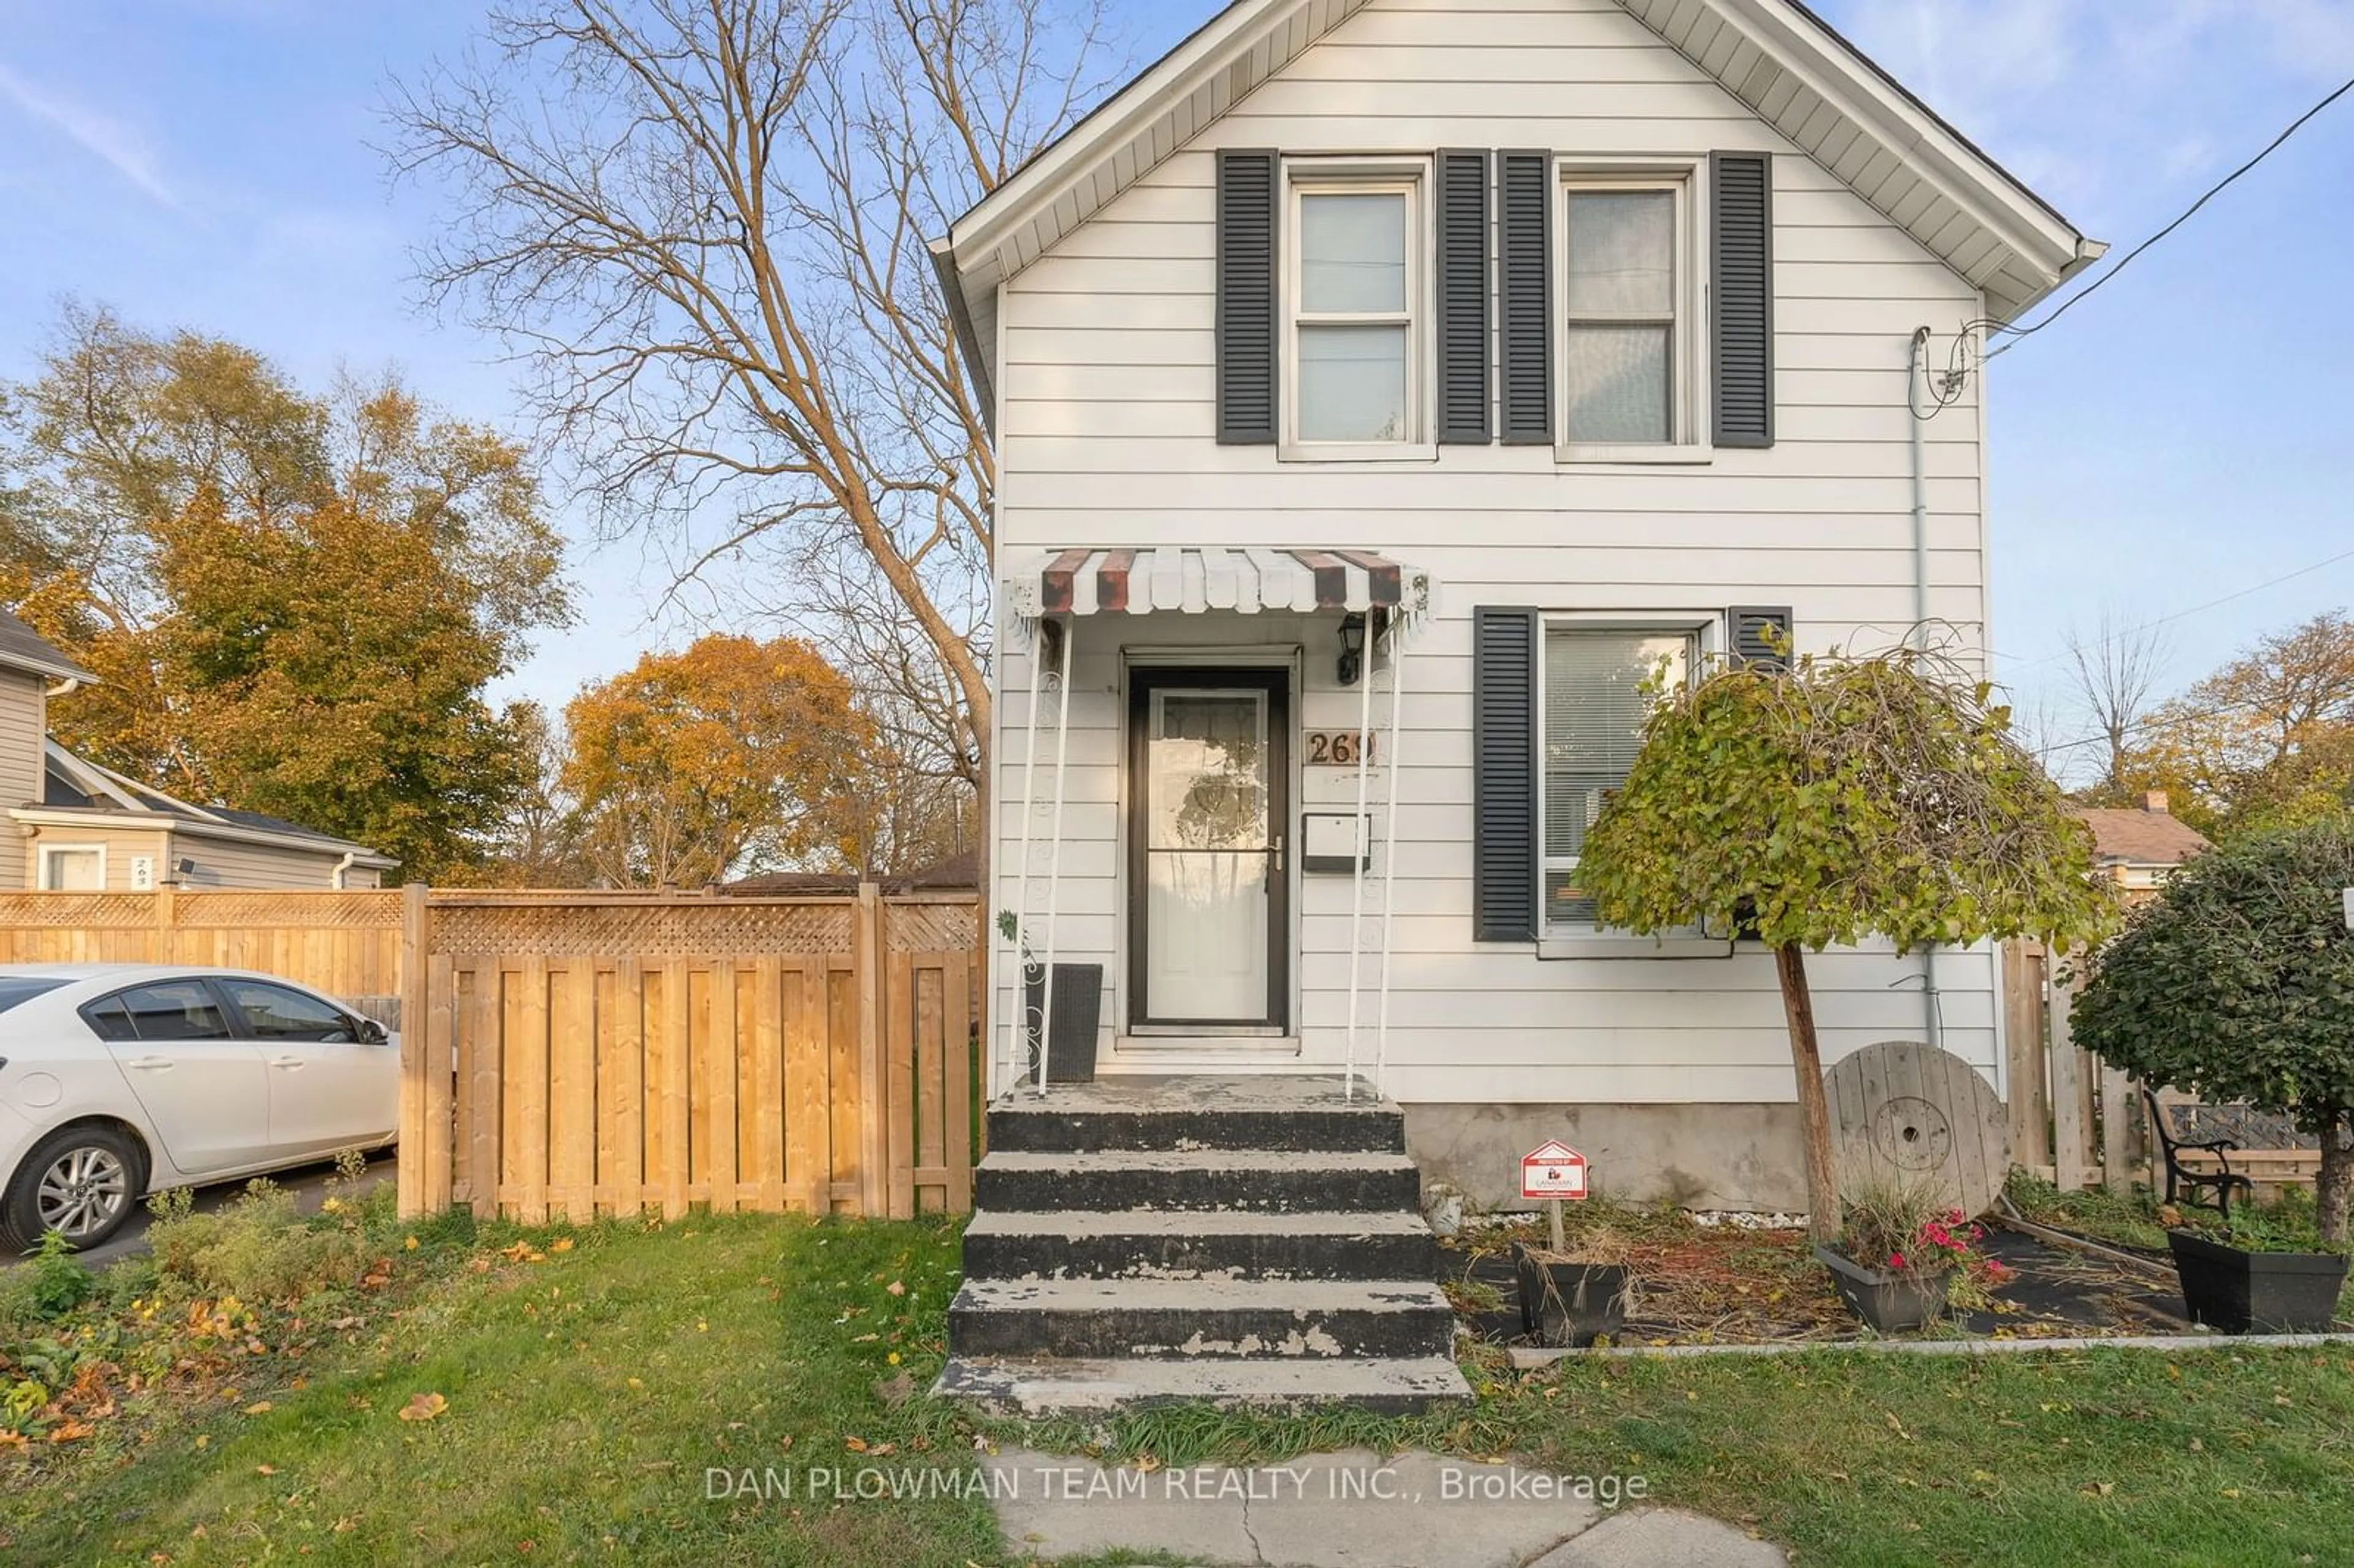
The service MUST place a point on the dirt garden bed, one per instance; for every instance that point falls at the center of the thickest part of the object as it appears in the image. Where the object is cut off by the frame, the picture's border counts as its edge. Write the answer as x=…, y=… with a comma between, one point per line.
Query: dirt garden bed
x=1726, y=1284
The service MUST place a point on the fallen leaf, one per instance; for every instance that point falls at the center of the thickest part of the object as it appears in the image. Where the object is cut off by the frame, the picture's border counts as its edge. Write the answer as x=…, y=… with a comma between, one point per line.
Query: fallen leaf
x=896, y=1287
x=561, y=1244
x=896, y=1391
x=479, y=1265
x=408, y=1244
x=70, y=1431
x=258, y=1407
x=423, y=1407
x=12, y=1438
x=855, y=1445
x=265, y=1470
x=2098, y=1488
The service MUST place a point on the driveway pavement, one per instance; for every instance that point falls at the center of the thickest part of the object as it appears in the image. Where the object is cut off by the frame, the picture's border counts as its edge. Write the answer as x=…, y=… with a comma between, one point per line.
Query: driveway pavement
x=308, y=1183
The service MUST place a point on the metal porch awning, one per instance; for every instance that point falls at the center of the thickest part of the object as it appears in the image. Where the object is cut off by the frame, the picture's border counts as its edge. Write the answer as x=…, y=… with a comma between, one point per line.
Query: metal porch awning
x=1196, y=580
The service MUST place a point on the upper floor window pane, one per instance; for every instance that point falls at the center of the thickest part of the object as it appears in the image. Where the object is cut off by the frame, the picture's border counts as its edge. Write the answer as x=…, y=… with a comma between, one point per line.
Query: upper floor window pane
x=1351, y=254
x=1353, y=307
x=1622, y=296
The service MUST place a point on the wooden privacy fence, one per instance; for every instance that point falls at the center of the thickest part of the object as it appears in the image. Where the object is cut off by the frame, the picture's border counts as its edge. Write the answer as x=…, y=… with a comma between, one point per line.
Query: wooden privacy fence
x=2079, y=1123
x=571, y=1054
x=346, y=944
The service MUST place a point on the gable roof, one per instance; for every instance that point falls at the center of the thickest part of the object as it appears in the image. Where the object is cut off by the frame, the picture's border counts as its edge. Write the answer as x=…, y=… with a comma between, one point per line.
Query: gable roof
x=2133, y=836
x=22, y=648
x=74, y=784
x=1788, y=65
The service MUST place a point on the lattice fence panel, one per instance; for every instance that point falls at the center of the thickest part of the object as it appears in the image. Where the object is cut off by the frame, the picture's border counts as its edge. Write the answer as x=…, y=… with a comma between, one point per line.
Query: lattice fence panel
x=369, y=909
x=929, y=928
x=745, y=928
x=81, y=911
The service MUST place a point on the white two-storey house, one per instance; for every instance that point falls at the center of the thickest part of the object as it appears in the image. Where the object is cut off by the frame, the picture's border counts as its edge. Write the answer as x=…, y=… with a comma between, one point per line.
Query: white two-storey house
x=1382, y=390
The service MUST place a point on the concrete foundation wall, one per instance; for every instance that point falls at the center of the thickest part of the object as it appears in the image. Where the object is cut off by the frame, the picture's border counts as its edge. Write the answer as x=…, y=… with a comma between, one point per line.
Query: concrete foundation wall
x=1701, y=1156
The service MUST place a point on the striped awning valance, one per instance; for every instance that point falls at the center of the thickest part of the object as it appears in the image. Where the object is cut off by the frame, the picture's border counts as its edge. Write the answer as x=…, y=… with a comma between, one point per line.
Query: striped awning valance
x=1194, y=581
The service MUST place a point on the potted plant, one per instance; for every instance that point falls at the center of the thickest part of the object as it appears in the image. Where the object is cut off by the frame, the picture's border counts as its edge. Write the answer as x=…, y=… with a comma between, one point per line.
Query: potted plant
x=2259, y=1270
x=1575, y=1294
x=2237, y=983
x=1899, y=1248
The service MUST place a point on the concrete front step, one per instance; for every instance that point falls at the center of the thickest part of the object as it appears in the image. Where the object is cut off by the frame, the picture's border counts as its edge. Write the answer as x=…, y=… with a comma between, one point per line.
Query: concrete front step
x=1233, y=1243
x=1201, y=1319
x=1037, y=1387
x=1274, y=1114
x=1268, y=1182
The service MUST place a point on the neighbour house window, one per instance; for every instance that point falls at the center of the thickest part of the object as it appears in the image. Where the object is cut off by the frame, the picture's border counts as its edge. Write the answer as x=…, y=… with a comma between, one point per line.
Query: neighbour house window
x=1355, y=295
x=1594, y=699
x=1625, y=288
x=73, y=868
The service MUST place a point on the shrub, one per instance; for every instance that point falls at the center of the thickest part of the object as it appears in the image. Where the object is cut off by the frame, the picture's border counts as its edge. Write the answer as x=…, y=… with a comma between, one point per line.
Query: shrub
x=258, y=1249
x=2237, y=983
x=61, y=1281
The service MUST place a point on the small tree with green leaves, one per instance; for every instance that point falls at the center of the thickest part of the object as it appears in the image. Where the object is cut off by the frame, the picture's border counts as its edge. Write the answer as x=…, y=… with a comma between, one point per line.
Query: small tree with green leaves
x=1830, y=802
x=2237, y=983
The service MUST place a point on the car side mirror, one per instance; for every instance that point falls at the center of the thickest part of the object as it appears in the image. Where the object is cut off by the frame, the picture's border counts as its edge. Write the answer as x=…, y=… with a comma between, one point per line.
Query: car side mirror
x=372, y=1033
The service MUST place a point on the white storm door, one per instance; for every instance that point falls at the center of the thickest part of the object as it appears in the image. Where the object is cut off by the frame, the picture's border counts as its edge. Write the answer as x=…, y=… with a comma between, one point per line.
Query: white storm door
x=1208, y=923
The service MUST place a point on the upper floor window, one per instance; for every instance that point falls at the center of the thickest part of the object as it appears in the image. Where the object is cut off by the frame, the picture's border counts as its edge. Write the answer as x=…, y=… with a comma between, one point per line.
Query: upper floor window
x=1629, y=369
x=1355, y=302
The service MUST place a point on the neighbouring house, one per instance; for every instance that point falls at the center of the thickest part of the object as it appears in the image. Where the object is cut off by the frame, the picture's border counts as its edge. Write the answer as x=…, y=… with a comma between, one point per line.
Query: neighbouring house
x=85, y=827
x=2139, y=847
x=1382, y=391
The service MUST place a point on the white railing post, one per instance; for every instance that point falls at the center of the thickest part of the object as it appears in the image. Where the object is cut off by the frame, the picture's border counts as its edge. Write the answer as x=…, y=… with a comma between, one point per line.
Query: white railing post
x=1359, y=850
x=1067, y=649
x=1389, y=860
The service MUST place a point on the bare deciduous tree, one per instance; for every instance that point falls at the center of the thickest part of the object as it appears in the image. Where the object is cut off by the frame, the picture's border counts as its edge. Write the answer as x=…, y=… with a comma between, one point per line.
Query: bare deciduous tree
x=704, y=223
x=2114, y=675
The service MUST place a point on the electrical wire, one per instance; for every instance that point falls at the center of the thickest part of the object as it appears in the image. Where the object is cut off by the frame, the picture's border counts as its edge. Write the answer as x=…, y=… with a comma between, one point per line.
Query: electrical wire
x=1966, y=357
x=2012, y=334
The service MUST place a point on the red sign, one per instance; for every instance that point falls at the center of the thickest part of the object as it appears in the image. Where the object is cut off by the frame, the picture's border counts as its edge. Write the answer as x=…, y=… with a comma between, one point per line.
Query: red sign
x=1553, y=1170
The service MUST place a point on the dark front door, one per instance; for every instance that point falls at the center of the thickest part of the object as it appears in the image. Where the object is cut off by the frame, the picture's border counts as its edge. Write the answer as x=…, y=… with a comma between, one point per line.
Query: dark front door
x=1209, y=760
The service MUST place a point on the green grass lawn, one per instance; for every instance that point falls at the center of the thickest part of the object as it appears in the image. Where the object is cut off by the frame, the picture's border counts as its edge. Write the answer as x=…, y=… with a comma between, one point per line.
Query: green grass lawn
x=587, y=1391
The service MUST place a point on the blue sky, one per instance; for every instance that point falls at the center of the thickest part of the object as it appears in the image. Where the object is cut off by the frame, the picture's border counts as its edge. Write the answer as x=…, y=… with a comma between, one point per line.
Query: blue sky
x=2180, y=438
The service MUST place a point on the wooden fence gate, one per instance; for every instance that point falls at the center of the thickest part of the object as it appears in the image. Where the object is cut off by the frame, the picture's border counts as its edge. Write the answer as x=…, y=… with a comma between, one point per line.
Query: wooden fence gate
x=2079, y=1123
x=579, y=1053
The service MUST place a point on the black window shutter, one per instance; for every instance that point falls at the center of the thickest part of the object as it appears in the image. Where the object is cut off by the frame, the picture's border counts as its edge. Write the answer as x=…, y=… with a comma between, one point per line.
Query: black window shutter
x=1524, y=294
x=1464, y=351
x=1505, y=774
x=1741, y=279
x=1248, y=311
x=1761, y=635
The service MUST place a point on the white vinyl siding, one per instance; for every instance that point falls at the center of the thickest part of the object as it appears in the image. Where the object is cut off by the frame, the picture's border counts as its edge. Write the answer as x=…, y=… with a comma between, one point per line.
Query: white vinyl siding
x=1106, y=440
x=23, y=734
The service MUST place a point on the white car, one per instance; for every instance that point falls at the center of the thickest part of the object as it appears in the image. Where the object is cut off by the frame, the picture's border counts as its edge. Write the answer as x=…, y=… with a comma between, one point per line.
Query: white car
x=117, y=1080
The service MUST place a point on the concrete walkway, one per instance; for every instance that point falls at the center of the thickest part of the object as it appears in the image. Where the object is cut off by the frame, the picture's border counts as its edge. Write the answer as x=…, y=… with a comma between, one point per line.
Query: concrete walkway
x=1355, y=1510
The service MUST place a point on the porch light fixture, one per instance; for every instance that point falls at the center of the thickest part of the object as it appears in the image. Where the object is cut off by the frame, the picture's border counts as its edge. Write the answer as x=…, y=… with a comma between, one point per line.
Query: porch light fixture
x=1353, y=648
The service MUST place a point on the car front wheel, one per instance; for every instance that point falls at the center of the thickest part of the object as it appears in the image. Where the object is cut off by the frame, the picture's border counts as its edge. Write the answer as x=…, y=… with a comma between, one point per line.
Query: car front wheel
x=81, y=1182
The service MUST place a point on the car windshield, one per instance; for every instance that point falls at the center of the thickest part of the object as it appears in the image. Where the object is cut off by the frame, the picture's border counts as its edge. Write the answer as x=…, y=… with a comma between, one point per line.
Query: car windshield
x=15, y=988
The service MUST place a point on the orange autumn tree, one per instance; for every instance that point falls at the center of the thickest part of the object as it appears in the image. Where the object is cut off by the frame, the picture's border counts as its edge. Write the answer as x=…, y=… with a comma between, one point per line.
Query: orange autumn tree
x=717, y=759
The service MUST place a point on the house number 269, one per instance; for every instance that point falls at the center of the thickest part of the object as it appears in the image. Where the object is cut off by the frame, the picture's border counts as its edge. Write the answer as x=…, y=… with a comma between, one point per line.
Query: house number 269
x=1340, y=748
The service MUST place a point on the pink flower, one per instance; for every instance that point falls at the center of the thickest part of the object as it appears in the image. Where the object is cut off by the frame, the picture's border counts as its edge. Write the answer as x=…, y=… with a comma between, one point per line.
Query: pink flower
x=1896, y=1260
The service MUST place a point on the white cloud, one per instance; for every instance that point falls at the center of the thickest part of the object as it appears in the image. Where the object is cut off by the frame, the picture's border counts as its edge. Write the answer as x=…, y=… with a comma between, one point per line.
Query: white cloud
x=117, y=145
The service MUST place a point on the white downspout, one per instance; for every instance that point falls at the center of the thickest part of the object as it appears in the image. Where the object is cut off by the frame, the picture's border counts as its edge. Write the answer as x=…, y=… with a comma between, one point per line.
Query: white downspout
x=335, y=878
x=1916, y=370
